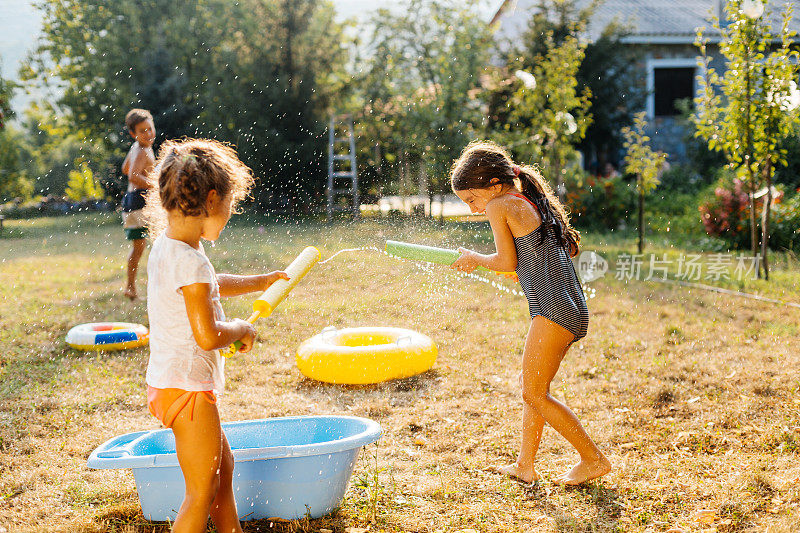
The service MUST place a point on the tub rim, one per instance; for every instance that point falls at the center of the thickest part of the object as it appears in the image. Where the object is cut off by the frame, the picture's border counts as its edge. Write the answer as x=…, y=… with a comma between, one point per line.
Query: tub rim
x=115, y=452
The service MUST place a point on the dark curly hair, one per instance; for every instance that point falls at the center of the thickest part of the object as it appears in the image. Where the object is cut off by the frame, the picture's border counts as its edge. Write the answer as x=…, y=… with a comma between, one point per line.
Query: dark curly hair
x=483, y=161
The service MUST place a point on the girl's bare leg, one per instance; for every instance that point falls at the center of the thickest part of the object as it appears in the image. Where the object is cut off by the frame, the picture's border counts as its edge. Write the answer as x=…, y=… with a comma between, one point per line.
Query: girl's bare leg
x=200, y=445
x=532, y=426
x=545, y=347
x=524, y=468
x=223, y=509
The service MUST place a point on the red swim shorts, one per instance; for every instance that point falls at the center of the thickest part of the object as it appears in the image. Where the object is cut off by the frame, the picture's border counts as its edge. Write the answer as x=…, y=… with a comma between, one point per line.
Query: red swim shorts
x=166, y=404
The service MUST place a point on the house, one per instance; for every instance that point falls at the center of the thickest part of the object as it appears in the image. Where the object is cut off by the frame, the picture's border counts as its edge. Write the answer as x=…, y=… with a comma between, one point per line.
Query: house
x=664, y=32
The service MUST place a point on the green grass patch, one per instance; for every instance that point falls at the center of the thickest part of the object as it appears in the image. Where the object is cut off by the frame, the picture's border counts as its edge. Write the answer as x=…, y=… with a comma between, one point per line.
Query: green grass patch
x=684, y=389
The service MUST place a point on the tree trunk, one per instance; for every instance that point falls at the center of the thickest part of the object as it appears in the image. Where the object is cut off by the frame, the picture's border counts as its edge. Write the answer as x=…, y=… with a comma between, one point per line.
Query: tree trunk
x=404, y=177
x=748, y=160
x=288, y=57
x=426, y=179
x=765, y=212
x=753, y=238
x=641, y=214
x=379, y=172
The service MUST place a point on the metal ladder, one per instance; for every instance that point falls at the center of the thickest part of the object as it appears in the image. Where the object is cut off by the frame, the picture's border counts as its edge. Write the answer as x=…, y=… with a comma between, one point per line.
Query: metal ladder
x=342, y=183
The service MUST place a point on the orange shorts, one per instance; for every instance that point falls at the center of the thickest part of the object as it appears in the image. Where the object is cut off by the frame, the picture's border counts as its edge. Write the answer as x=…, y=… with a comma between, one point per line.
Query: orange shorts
x=166, y=404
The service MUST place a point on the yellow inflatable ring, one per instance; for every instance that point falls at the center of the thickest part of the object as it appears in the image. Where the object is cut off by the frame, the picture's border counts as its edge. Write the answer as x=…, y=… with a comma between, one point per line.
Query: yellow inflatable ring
x=107, y=336
x=359, y=356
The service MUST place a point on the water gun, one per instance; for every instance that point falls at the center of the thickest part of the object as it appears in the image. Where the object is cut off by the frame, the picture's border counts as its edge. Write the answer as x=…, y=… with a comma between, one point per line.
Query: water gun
x=277, y=292
x=429, y=254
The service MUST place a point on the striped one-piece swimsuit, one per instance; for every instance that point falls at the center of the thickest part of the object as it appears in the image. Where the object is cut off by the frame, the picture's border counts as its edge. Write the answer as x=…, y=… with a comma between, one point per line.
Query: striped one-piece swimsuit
x=549, y=280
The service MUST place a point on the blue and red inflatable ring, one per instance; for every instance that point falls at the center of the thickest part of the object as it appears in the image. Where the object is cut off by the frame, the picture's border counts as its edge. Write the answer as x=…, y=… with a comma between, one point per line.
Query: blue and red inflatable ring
x=107, y=336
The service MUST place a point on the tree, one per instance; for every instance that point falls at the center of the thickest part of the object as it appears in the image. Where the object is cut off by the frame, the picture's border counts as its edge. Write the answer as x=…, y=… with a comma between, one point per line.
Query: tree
x=15, y=181
x=6, y=91
x=644, y=163
x=15, y=177
x=421, y=82
x=748, y=110
x=110, y=56
x=82, y=184
x=53, y=143
x=255, y=73
x=548, y=114
x=609, y=69
x=273, y=90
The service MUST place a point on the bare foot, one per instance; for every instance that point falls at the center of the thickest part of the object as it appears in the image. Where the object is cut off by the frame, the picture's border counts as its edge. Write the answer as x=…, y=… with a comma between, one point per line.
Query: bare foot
x=130, y=292
x=585, y=471
x=514, y=471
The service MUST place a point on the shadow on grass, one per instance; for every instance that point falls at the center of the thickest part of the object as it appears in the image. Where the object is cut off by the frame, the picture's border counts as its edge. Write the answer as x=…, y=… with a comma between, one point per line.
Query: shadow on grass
x=607, y=502
x=130, y=519
x=413, y=383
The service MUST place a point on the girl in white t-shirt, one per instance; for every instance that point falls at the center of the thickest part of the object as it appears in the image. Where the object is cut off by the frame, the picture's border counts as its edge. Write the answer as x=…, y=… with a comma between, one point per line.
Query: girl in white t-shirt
x=199, y=184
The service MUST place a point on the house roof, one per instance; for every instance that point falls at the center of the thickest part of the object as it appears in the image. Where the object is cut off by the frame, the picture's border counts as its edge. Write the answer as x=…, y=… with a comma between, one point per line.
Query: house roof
x=649, y=21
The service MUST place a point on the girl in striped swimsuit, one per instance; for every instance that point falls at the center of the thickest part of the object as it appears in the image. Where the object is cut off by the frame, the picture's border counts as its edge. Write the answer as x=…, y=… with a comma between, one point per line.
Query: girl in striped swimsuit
x=533, y=237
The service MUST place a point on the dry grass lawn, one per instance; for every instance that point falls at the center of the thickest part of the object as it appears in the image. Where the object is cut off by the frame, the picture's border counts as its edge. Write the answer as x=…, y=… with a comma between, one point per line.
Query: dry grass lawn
x=692, y=394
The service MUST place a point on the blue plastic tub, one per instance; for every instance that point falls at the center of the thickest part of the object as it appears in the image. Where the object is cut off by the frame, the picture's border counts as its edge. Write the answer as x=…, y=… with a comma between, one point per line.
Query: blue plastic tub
x=283, y=467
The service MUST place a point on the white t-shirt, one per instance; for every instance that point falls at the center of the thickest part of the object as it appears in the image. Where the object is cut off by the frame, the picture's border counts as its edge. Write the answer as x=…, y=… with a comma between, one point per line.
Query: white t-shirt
x=176, y=361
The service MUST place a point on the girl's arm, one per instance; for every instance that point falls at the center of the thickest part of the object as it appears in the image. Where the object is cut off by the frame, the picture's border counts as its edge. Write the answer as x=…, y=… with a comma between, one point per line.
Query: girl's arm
x=505, y=258
x=209, y=332
x=233, y=285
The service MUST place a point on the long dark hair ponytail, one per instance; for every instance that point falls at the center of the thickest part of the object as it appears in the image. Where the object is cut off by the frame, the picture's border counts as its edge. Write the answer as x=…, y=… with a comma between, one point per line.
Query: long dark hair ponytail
x=481, y=162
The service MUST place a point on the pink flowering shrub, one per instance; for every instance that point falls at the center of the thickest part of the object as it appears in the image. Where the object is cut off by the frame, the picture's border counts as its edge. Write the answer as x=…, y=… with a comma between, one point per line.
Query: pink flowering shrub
x=726, y=215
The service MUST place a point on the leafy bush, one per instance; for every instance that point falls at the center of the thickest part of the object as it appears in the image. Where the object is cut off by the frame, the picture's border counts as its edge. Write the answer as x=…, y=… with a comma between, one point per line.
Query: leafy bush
x=673, y=206
x=687, y=178
x=675, y=213
x=788, y=174
x=15, y=181
x=785, y=224
x=600, y=203
x=82, y=184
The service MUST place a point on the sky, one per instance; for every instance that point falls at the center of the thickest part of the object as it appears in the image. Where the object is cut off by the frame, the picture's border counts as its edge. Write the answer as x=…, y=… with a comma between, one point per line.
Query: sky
x=20, y=24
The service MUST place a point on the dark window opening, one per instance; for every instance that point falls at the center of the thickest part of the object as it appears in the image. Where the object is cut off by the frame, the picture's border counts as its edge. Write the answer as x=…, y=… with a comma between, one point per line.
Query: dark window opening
x=671, y=85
